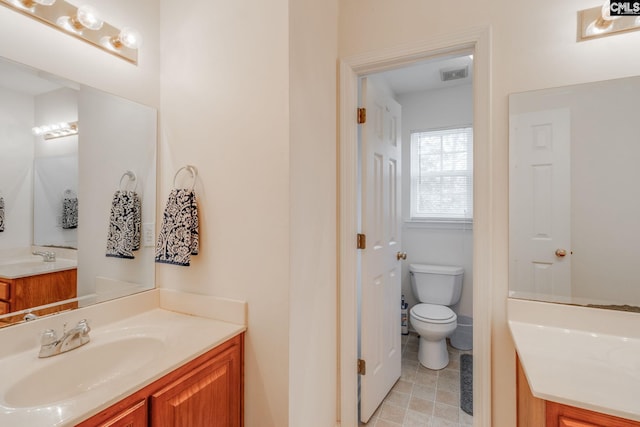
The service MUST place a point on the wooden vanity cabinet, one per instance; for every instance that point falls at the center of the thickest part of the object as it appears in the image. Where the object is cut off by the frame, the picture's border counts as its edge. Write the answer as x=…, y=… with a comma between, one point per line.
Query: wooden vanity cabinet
x=33, y=291
x=534, y=412
x=206, y=392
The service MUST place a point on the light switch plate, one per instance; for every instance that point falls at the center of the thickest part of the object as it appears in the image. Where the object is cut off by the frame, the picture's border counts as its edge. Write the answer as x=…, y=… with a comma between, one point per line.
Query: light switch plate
x=148, y=234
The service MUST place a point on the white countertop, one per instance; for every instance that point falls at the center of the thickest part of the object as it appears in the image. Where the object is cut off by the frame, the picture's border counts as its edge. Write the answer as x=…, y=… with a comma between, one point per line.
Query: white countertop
x=33, y=266
x=183, y=338
x=579, y=356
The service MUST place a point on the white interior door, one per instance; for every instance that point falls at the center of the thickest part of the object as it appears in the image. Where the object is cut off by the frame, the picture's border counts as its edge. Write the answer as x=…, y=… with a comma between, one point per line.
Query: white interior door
x=380, y=278
x=540, y=202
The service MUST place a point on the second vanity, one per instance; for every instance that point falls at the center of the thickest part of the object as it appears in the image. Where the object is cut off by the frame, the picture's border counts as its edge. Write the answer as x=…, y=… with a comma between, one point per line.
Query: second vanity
x=28, y=281
x=577, y=366
x=152, y=357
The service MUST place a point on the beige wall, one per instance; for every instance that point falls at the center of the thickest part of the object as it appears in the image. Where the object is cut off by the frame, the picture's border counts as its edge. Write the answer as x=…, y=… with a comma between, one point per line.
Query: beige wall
x=225, y=109
x=16, y=117
x=533, y=46
x=248, y=96
x=313, y=306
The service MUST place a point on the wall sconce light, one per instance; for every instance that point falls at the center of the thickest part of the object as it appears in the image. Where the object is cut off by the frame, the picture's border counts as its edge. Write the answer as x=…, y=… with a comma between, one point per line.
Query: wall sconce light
x=56, y=130
x=82, y=22
x=599, y=21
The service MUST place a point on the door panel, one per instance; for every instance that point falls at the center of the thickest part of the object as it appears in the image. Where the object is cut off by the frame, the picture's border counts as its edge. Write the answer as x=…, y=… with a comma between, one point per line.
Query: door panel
x=540, y=218
x=380, y=192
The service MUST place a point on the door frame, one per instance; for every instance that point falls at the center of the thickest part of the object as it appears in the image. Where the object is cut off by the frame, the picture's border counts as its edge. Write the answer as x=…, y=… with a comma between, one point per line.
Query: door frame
x=477, y=41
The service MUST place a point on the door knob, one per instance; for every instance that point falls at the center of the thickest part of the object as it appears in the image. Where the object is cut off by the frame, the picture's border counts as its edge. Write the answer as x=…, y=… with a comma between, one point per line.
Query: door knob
x=561, y=253
x=401, y=255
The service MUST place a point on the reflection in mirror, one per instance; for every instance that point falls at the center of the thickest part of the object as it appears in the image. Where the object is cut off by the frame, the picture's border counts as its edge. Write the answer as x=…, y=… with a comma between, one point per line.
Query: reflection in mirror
x=56, y=193
x=574, y=208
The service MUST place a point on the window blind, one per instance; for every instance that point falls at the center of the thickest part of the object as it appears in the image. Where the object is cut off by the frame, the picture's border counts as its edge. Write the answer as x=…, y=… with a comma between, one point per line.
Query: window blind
x=442, y=174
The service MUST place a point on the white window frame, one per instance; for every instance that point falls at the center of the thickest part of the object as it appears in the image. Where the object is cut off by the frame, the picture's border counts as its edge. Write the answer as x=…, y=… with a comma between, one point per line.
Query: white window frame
x=417, y=217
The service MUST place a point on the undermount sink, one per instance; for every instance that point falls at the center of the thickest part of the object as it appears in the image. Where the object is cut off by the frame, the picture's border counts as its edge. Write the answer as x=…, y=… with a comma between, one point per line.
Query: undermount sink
x=70, y=374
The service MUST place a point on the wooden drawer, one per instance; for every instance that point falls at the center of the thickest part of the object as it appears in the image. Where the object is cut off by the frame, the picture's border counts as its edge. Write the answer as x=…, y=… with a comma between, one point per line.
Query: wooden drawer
x=5, y=307
x=5, y=291
x=133, y=416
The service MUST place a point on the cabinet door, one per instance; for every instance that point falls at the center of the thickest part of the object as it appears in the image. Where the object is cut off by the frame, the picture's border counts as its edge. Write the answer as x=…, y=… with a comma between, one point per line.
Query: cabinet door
x=208, y=396
x=33, y=291
x=559, y=415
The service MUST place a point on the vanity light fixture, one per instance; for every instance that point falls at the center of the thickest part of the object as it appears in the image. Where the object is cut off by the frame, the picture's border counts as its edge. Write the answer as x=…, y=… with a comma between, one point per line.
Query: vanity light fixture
x=56, y=130
x=82, y=22
x=599, y=22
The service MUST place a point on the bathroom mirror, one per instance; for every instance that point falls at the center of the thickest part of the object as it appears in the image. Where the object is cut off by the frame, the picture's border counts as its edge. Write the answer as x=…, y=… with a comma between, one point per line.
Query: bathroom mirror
x=574, y=209
x=57, y=189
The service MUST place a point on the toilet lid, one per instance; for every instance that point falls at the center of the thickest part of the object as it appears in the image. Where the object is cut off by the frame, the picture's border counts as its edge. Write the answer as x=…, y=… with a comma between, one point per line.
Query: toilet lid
x=433, y=313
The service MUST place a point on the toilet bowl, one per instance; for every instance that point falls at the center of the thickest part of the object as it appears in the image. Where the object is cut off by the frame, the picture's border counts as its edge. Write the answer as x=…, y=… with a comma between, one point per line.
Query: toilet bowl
x=436, y=287
x=434, y=323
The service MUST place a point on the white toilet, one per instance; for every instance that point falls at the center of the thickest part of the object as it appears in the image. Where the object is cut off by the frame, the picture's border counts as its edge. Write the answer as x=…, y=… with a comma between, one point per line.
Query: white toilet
x=436, y=287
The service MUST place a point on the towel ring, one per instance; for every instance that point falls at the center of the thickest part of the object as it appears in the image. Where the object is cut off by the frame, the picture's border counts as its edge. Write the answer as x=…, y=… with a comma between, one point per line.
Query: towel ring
x=132, y=178
x=194, y=174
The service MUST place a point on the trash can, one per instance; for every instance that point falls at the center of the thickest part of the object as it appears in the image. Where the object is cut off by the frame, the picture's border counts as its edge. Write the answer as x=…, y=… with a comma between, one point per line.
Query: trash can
x=462, y=338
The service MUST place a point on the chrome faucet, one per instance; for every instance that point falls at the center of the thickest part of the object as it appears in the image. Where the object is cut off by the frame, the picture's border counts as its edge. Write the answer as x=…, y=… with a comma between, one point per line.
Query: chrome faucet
x=47, y=256
x=30, y=316
x=51, y=345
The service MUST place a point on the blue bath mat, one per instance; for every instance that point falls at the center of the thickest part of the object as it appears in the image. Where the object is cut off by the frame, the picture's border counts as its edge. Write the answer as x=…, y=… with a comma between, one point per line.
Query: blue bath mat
x=466, y=383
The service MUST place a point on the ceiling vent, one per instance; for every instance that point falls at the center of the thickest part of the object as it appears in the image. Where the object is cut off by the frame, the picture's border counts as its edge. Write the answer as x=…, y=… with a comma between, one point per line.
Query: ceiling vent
x=447, y=74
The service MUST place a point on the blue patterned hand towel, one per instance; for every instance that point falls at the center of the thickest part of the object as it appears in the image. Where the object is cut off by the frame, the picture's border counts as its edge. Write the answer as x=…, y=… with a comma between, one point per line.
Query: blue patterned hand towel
x=1, y=214
x=70, y=212
x=124, y=225
x=178, y=238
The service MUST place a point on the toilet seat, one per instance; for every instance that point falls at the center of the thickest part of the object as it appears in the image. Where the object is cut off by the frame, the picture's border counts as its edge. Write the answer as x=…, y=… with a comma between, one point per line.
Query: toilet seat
x=433, y=313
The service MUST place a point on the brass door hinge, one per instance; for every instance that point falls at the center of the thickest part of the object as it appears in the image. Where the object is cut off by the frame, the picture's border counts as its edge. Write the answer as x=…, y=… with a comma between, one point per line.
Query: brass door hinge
x=362, y=115
x=362, y=367
x=361, y=241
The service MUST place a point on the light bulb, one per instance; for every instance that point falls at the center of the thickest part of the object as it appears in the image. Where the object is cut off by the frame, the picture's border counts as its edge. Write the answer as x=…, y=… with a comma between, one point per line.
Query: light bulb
x=86, y=17
x=596, y=28
x=89, y=17
x=30, y=5
x=606, y=12
x=128, y=37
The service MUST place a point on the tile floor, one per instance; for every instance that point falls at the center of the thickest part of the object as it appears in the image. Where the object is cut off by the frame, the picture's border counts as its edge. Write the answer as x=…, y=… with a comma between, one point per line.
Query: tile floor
x=423, y=397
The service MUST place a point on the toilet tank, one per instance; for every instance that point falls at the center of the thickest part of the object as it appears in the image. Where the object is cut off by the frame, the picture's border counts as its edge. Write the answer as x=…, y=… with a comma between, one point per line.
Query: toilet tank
x=436, y=284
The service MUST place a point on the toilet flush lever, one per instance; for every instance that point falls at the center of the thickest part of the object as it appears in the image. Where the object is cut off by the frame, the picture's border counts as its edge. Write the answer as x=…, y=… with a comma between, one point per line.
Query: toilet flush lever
x=401, y=255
